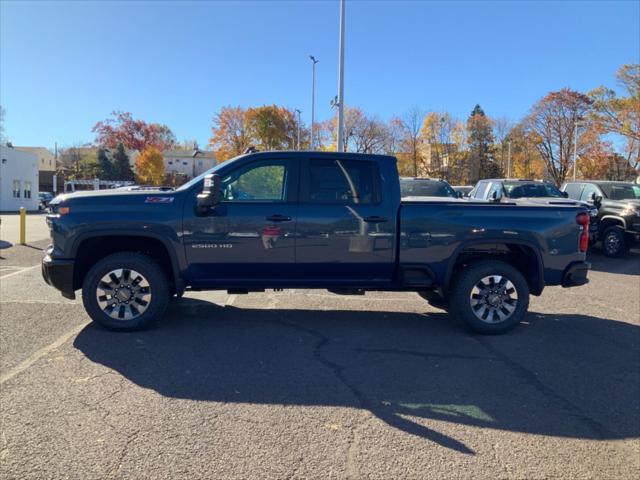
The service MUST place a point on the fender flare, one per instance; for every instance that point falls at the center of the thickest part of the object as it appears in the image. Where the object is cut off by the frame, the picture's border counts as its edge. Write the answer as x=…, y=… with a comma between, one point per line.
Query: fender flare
x=525, y=243
x=175, y=264
x=614, y=218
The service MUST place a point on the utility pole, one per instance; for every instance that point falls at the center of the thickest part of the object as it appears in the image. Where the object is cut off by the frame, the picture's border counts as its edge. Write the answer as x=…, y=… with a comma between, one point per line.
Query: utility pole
x=509, y=161
x=313, y=99
x=298, y=111
x=575, y=149
x=341, y=82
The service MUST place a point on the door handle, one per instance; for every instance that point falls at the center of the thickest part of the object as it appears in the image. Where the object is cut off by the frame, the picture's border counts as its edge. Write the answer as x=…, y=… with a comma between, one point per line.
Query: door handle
x=375, y=219
x=279, y=218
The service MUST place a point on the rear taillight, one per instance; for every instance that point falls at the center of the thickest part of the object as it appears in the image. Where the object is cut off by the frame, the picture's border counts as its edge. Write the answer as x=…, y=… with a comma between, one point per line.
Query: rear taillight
x=582, y=219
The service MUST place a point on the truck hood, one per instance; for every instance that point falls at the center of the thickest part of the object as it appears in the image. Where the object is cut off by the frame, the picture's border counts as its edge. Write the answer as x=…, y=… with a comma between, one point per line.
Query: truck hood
x=622, y=204
x=113, y=200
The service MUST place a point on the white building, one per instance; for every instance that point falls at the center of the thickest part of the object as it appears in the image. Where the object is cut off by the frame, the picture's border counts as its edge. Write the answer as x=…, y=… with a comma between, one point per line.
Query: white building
x=188, y=162
x=18, y=180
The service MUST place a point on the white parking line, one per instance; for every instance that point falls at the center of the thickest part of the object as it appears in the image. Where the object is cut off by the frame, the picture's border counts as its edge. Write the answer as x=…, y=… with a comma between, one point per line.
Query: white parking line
x=33, y=358
x=26, y=269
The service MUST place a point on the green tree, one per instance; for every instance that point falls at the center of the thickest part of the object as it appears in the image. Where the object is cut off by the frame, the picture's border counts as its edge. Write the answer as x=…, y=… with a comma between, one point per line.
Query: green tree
x=105, y=166
x=121, y=166
x=481, y=154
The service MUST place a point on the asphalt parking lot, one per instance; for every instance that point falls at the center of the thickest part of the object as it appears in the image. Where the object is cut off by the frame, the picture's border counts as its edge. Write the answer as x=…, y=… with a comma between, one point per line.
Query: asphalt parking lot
x=306, y=384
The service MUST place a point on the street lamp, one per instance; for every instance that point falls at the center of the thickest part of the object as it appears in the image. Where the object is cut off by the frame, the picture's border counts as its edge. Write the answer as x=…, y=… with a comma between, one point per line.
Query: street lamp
x=298, y=111
x=313, y=98
x=575, y=147
x=341, y=82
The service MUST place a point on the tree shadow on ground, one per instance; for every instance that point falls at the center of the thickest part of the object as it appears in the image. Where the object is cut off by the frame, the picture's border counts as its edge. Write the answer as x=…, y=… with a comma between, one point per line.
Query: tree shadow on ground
x=562, y=375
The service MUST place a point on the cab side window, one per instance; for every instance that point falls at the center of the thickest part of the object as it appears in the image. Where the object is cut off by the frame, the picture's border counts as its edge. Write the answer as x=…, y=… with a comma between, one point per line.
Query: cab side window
x=588, y=191
x=573, y=190
x=257, y=182
x=481, y=189
x=344, y=181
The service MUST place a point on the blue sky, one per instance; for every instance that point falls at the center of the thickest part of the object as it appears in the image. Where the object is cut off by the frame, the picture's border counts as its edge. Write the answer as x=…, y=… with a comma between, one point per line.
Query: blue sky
x=66, y=65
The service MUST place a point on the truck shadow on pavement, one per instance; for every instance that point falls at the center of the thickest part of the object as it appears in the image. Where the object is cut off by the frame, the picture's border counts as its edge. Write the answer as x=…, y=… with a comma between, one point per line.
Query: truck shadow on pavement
x=628, y=264
x=561, y=375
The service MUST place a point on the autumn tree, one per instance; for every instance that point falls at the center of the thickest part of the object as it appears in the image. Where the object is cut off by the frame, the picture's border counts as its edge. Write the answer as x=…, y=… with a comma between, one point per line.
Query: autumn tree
x=150, y=167
x=526, y=161
x=551, y=126
x=121, y=165
x=501, y=127
x=133, y=134
x=620, y=114
x=443, y=142
x=409, y=128
x=230, y=136
x=272, y=127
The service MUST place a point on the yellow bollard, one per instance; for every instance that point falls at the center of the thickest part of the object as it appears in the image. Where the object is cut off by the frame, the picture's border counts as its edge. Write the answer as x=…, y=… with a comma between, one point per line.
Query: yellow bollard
x=23, y=225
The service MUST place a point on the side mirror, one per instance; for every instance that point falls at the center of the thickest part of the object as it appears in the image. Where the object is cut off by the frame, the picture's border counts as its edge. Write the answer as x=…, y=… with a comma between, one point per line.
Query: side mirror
x=565, y=194
x=211, y=193
x=496, y=196
x=596, y=199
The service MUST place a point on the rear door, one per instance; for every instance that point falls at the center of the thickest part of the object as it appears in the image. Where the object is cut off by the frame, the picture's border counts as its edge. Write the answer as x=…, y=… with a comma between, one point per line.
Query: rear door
x=346, y=226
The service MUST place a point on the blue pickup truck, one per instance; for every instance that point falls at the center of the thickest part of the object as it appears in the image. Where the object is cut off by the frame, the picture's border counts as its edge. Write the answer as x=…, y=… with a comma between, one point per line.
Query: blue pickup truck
x=308, y=220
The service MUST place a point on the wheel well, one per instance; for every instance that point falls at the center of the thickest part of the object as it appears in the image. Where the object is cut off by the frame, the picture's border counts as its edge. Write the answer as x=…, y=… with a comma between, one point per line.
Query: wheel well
x=522, y=257
x=94, y=249
x=610, y=222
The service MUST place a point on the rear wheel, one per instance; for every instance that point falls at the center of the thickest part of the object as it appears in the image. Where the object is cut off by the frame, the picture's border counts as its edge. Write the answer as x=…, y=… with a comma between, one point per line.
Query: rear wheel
x=613, y=242
x=490, y=297
x=125, y=291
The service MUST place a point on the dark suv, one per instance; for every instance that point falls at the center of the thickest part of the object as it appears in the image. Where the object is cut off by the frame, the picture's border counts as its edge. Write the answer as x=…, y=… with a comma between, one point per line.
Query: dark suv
x=426, y=187
x=618, y=206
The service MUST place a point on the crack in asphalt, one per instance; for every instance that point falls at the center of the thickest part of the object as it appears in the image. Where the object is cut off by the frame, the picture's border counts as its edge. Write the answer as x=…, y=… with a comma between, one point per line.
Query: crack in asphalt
x=391, y=418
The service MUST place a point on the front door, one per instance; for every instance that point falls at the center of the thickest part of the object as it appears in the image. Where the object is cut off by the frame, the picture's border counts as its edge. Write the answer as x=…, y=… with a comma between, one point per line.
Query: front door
x=250, y=236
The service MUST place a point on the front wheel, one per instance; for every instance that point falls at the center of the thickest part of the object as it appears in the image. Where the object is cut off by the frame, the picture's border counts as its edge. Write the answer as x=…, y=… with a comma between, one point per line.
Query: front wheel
x=490, y=296
x=613, y=242
x=125, y=291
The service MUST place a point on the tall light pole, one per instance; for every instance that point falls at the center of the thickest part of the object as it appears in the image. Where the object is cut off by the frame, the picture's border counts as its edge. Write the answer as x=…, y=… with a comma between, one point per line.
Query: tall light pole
x=575, y=148
x=509, y=161
x=298, y=111
x=313, y=99
x=341, y=82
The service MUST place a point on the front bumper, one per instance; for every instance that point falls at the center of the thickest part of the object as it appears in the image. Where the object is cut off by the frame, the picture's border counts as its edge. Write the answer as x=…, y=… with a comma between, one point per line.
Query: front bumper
x=576, y=274
x=59, y=274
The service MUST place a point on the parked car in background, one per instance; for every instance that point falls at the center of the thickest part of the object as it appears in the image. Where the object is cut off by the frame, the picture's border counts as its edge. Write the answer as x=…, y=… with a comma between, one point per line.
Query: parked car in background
x=308, y=220
x=44, y=199
x=618, y=205
x=426, y=187
x=463, y=190
x=531, y=191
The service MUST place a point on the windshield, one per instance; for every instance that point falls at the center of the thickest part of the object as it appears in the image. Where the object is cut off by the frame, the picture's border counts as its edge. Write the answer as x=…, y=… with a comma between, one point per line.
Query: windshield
x=621, y=191
x=426, y=188
x=200, y=177
x=531, y=190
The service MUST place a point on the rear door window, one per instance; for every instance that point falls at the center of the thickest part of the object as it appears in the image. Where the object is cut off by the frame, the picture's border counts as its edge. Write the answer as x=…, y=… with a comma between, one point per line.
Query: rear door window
x=481, y=189
x=344, y=181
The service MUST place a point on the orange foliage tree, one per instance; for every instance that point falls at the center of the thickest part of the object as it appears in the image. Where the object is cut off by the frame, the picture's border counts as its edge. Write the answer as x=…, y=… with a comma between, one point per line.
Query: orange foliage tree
x=150, y=167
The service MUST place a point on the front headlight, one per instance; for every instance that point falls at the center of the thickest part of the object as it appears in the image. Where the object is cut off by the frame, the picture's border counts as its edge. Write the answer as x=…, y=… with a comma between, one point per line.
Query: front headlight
x=629, y=211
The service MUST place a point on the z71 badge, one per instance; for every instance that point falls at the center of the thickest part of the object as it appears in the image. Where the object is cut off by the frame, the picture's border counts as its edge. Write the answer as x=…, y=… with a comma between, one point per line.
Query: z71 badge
x=158, y=200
